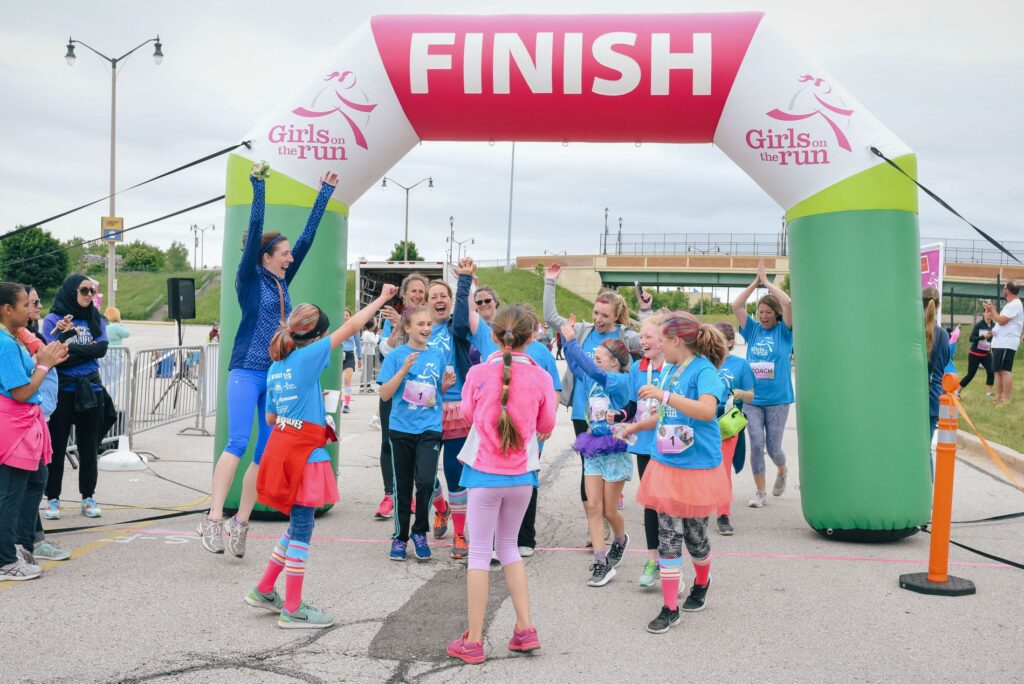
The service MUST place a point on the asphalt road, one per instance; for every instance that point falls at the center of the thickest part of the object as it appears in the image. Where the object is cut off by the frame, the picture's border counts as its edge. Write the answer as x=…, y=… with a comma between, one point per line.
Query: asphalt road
x=143, y=602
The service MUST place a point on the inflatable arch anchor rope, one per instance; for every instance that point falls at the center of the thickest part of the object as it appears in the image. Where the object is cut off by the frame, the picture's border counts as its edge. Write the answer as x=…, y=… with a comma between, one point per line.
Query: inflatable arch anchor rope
x=727, y=79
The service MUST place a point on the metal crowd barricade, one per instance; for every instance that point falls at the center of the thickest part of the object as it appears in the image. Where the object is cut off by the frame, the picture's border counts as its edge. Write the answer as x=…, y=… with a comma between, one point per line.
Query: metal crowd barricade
x=371, y=367
x=166, y=387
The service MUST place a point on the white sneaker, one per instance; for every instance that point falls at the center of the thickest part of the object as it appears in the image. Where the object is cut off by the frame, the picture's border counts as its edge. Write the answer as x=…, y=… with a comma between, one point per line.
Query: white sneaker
x=780, y=484
x=525, y=551
x=52, y=511
x=19, y=571
x=759, y=500
x=375, y=423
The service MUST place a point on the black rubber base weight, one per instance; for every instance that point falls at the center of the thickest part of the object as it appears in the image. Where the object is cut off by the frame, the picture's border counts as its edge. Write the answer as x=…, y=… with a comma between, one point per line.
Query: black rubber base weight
x=955, y=586
x=867, y=536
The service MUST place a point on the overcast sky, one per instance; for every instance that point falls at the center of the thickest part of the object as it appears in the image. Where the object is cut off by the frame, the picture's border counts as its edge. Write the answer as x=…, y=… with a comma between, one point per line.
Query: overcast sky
x=944, y=77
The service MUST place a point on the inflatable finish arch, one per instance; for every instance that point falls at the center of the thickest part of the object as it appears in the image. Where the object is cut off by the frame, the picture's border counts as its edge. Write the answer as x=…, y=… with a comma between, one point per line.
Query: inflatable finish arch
x=727, y=79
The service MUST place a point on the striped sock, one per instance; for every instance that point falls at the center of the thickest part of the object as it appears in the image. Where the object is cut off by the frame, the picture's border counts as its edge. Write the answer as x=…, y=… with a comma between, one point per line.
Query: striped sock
x=702, y=570
x=294, y=573
x=275, y=565
x=348, y=395
x=439, y=503
x=670, y=578
x=457, y=502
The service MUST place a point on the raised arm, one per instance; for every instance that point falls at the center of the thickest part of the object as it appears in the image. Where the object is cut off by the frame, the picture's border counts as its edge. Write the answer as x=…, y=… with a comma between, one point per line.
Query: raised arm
x=580, y=363
x=739, y=305
x=358, y=321
x=465, y=317
x=780, y=294
x=550, y=312
x=251, y=251
x=301, y=247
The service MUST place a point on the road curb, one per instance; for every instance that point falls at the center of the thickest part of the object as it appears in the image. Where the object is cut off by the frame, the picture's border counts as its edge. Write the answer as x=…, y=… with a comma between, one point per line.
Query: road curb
x=972, y=446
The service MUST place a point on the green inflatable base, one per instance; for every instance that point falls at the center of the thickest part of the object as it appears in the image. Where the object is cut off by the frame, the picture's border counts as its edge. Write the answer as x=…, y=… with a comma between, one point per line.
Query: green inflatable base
x=868, y=536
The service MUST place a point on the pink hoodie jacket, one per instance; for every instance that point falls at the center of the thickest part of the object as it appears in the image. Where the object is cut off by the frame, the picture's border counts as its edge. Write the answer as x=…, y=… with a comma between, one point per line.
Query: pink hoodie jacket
x=531, y=404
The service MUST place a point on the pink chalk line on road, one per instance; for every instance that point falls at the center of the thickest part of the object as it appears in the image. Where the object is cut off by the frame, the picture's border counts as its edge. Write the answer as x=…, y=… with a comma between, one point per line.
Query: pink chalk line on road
x=577, y=549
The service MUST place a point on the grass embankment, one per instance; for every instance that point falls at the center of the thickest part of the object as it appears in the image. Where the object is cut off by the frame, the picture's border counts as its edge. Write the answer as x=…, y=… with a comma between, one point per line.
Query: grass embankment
x=519, y=286
x=1001, y=424
x=139, y=295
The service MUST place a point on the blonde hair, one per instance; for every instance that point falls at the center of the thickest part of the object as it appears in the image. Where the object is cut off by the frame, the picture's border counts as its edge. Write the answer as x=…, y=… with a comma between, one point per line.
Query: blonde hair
x=302, y=320
x=930, y=300
x=700, y=338
x=112, y=314
x=513, y=325
x=404, y=288
x=618, y=303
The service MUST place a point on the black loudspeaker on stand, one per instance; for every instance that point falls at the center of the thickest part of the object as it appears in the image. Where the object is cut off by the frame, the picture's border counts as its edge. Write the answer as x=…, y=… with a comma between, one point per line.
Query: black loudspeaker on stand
x=181, y=304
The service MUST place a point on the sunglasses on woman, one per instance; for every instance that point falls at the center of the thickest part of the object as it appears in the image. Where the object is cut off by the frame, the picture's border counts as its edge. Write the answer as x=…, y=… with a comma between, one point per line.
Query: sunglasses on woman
x=484, y=302
x=86, y=291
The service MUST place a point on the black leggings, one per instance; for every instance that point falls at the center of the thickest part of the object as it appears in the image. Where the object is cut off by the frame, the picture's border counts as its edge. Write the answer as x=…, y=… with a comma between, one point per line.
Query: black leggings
x=387, y=473
x=415, y=463
x=579, y=427
x=650, y=515
x=87, y=435
x=973, y=361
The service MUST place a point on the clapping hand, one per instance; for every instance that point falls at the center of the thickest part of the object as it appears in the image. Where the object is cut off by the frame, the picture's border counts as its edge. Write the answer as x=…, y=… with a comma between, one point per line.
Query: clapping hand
x=568, y=329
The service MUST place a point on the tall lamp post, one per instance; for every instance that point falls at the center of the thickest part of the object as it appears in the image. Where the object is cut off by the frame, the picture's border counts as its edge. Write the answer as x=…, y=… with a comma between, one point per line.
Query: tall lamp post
x=452, y=242
x=195, y=252
x=384, y=184
x=158, y=57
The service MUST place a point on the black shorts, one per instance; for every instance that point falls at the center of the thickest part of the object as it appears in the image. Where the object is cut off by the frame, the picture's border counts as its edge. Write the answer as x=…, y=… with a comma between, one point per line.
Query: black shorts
x=1002, y=360
x=350, y=360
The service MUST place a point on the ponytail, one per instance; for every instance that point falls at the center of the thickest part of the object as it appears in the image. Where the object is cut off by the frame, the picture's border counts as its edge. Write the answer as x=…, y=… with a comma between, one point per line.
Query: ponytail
x=516, y=324
x=711, y=344
x=930, y=300
x=305, y=325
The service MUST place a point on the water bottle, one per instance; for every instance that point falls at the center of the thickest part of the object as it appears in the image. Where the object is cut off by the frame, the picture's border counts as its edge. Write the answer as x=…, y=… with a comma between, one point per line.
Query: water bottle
x=630, y=439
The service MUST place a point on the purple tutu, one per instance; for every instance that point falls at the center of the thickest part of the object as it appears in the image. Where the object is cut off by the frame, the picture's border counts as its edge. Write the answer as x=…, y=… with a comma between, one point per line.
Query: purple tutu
x=597, y=445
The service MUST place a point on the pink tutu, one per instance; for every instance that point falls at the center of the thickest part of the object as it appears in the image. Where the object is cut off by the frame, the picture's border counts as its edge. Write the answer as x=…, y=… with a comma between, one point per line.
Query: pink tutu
x=683, y=492
x=319, y=486
x=453, y=423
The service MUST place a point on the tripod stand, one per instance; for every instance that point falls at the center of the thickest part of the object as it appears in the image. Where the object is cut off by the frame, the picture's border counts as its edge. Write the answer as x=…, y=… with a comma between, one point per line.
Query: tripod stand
x=180, y=375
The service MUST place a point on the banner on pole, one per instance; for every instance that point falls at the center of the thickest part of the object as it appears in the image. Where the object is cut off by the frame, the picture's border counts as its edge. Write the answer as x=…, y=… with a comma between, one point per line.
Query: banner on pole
x=931, y=266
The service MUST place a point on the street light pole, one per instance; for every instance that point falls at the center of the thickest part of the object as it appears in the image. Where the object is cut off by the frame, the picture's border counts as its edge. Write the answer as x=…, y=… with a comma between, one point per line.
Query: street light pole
x=511, y=187
x=158, y=57
x=200, y=232
x=384, y=183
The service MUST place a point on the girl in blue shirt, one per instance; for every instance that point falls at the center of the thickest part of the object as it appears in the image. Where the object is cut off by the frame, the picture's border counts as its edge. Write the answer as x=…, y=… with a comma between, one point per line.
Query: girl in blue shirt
x=769, y=347
x=414, y=378
x=738, y=379
x=684, y=483
x=353, y=350
x=607, y=465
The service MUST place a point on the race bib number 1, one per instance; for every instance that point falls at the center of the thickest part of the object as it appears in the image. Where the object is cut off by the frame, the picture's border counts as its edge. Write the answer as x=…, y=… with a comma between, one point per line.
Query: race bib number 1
x=674, y=439
x=419, y=394
x=763, y=370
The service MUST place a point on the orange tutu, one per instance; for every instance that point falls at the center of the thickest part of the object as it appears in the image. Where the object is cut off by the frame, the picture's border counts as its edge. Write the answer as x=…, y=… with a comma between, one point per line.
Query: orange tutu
x=453, y=424
x=319, y=486
x=683, y=492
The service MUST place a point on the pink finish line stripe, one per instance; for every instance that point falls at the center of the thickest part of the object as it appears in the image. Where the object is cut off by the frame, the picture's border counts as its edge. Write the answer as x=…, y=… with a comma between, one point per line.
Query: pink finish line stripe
x=579, y=549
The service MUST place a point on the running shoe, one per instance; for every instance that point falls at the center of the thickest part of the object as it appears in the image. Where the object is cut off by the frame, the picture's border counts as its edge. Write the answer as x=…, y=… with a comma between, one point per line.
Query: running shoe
x=19, y=571
x=374, y=423
x=441, y=523
x=460, y=550
x=90, y=509
x=52, y=511
x=600, y=574
x=759, y=500
x=725, y=527
x=526, y=551
x=47, y=551
x=666, y=619
x=386, y=508
x=697, y=598
x=780, y=484
x=236, y=532
x=397, y=550
x=304, y=617
x=616, y=551
x=524, y=641
x=211, y=532
x=649, y=577
x=465, y=651
x=270, y=602
x=346, y=409
x=24, y=554
x=420, y=546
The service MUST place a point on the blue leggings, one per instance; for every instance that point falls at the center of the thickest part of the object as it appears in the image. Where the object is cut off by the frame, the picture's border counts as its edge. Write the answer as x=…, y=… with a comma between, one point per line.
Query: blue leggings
x=452, y=464
x=247, y=395
x=300, y=524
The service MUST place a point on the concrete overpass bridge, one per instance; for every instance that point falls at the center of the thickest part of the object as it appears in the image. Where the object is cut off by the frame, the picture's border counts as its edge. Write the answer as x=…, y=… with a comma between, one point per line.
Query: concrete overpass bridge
x=973, y=268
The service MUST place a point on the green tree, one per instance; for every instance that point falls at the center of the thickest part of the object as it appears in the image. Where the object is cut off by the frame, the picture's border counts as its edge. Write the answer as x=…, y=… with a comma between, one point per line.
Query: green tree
x=784, y=283
x=45, y=271
x=398, y=253
x=140, y=256
x=177, y=257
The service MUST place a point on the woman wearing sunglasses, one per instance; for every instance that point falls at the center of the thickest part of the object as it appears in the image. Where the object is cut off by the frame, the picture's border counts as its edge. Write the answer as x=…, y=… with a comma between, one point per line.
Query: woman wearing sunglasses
x=81, y=400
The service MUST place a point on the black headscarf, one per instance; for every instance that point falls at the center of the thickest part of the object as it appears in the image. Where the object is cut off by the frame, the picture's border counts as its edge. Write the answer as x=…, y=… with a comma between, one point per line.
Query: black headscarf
x=66, y=302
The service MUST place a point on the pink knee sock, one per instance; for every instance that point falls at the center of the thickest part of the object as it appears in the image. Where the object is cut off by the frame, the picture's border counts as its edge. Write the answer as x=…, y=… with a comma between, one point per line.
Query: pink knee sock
x=440, y=505
x=670, y=578
x=294, y=573
x=275, y=565
x=702, y=569
x=457, y=502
